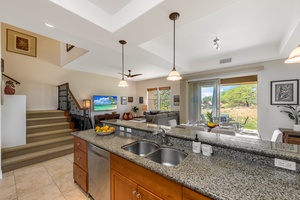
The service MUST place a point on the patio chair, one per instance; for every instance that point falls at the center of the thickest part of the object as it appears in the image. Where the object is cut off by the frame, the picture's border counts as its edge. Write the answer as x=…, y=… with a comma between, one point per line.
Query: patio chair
x=242, y=125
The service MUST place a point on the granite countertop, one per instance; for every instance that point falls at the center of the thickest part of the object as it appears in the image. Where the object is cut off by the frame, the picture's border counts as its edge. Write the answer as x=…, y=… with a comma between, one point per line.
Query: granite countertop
x=216, y=176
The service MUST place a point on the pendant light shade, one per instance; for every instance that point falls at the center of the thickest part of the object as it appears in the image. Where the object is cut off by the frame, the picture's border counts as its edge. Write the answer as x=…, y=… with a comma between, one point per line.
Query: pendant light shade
x=174, y=75
x=294, y=56
x=122, y=83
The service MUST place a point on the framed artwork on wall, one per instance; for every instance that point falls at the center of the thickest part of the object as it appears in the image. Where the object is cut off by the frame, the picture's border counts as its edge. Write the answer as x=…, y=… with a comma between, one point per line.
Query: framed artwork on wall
x=176, y=100
x=285, y=92
x=130, y=99
x=141, y=100
x=123, y=100
x=20, y=43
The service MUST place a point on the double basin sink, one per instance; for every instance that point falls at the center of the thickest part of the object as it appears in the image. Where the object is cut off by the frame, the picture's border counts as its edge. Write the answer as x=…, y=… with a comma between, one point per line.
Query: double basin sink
x=163, y=155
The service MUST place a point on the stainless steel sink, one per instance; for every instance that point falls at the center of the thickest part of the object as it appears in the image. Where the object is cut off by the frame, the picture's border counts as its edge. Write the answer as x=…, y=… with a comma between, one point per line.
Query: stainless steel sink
x=167, y=156
x=141, y=148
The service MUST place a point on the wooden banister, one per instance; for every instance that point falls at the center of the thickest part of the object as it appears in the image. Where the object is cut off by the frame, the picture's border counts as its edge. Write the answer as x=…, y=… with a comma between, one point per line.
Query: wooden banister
x=17, y=82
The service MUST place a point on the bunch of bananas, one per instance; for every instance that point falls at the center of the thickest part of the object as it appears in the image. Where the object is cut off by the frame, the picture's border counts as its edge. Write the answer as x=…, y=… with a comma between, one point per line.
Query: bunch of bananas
x=104, y=129
x=211, y=124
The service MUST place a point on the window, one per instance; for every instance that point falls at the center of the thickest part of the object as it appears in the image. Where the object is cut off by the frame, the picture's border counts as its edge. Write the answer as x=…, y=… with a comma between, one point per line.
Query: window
x=231, y=99
x=159, y=98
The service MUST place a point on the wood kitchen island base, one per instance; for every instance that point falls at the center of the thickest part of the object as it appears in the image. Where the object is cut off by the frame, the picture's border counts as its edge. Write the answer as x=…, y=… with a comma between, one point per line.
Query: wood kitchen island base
x=129, y=180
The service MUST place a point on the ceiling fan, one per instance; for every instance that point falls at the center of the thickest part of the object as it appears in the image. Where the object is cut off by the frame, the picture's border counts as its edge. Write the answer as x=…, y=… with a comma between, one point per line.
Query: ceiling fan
x=129, y=75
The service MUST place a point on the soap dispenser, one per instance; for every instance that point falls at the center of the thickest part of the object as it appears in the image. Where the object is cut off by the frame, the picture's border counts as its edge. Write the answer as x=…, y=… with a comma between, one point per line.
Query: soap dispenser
x=196, y=145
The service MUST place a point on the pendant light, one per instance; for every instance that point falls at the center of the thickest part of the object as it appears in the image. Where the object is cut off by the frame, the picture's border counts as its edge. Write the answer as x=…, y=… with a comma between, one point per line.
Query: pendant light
x=174, y=75
x=122, y=83
x=294, y=56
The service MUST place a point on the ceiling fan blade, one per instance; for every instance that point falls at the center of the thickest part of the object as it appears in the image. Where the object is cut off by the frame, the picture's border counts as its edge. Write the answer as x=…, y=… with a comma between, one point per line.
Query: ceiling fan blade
x=133, y=75
x=122, y=74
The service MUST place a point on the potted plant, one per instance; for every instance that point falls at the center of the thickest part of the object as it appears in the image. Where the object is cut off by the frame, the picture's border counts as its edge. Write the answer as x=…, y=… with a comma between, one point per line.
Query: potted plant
x=135, y=109
x=294, y=114
x=210, y=122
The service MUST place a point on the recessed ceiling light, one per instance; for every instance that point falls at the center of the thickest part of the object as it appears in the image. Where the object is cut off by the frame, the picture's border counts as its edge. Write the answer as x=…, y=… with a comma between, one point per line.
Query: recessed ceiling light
x=49, y=25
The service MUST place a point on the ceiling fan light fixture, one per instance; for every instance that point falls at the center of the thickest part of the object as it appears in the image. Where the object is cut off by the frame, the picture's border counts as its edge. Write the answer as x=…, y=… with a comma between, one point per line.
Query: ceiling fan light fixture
x=294, y=56
x=174, y=75
x=122, y=83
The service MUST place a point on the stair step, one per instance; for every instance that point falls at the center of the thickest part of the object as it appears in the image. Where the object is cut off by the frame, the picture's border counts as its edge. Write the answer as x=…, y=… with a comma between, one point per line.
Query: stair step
x=44, y=113
x=16, y=162
x=35, y=137
x=46, y=120
x=36, y=146
x=47, y=127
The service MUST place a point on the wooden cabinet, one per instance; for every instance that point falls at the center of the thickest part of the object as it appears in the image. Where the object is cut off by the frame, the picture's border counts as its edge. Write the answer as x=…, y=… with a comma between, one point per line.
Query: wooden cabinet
x=80, y=165
x=131, y=181
x=99, y=118
x=189, y=194
x=124, y=188
x=290, y=136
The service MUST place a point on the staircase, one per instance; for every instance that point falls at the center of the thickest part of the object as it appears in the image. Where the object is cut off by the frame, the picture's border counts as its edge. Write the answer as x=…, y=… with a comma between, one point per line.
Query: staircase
x=48, y=135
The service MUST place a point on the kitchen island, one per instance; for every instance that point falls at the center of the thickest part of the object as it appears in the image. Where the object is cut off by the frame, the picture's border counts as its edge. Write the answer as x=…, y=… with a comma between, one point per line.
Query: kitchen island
x=240, y=168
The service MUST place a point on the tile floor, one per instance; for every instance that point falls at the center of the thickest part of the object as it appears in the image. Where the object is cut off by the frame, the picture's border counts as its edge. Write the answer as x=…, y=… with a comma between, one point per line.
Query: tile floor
x=52, y=179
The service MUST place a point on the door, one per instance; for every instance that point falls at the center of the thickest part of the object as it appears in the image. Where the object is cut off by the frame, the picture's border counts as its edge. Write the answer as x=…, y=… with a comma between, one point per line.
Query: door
x=122, y=188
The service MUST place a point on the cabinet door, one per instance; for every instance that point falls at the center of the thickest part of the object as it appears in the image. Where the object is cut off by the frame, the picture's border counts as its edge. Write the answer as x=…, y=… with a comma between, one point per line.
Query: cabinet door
x=144, y=194
x=189, y=194
x=121, y=187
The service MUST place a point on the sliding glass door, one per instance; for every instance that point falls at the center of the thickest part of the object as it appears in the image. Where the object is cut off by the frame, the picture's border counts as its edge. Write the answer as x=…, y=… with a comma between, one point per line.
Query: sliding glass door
x=203, y=98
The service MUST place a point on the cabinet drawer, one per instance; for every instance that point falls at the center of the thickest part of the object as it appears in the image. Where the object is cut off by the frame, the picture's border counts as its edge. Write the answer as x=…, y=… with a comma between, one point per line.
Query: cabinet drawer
x=189, y=194
x=80, y=177
x=80, y=158
x=81, y=144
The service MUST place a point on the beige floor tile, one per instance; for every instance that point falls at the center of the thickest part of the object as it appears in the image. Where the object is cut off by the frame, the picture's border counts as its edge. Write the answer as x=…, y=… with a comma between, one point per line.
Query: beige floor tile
x=7, y=186
x=70, y=157
x=49, y=192
x=58, y=167
x=30, y=181
x=65, y=182
x=29, y=169
x=77, y=194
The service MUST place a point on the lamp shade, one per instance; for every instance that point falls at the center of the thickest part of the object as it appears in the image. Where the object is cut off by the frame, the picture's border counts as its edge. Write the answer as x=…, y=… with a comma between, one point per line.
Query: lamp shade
x=144, y=107
x=294, y=56
x=123, y=83
x=174, y=76
x=86, y=103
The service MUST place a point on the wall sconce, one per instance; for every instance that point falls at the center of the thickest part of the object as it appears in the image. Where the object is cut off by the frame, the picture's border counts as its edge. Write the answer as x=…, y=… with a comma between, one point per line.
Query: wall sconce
x=144, y=107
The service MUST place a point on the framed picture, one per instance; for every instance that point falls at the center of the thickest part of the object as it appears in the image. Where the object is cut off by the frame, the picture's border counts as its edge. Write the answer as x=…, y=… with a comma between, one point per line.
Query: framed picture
x=285, y=92
x=176, y=100
x=20, y=43
x=123, y=100
x=141, y=100
x=130, y=99
x=69, y=47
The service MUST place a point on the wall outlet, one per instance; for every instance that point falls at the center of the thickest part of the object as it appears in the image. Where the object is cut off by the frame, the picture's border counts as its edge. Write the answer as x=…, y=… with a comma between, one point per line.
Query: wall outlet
x=128, y=130
x=285, y=164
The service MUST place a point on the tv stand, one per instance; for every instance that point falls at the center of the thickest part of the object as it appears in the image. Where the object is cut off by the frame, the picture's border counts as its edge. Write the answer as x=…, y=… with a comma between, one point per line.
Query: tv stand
x=99, y=118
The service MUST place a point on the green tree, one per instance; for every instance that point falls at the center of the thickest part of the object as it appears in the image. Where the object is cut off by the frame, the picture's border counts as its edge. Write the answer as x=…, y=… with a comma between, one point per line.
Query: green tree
x=243, y=95
x=165, y=99
x=207, y=99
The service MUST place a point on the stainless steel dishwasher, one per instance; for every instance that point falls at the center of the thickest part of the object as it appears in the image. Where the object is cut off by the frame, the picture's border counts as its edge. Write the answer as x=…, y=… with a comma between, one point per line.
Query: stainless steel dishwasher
x=99, y=173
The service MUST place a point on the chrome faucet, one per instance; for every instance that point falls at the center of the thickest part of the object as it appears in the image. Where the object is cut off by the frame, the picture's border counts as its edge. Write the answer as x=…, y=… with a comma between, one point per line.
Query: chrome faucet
x=164, y=137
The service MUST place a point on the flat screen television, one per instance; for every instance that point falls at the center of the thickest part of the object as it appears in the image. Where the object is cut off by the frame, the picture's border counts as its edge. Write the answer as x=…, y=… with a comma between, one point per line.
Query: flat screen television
x=102, y=102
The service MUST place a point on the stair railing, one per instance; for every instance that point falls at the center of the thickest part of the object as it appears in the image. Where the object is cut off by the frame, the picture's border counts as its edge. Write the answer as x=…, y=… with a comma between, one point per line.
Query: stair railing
x=67, y=102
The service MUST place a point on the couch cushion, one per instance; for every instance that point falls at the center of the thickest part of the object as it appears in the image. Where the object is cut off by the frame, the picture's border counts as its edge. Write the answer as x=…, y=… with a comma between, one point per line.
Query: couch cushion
x=157, y=117
x=149, y=118
x=170, y=114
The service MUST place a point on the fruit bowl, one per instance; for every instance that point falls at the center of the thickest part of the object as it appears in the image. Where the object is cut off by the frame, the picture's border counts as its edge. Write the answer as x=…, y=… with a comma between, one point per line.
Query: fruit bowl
x=104, y=130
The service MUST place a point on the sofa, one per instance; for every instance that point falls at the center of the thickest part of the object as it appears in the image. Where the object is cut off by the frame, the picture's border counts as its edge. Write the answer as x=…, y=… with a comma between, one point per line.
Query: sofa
x=161, y=117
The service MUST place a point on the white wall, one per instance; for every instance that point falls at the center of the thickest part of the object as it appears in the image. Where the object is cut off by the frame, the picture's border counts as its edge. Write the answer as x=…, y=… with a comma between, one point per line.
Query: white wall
x=39, y=77
x=141, y=90
x=269, y=116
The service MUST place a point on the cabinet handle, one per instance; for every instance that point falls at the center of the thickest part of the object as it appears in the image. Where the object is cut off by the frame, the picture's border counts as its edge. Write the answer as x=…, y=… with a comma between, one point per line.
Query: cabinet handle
x=134, y=192
x=138, y=195
x=78, y=176
x=78, y=158
x=78, y=143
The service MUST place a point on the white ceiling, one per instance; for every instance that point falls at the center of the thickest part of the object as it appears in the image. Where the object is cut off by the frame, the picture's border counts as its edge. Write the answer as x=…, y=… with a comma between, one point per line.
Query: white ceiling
x=250, y=31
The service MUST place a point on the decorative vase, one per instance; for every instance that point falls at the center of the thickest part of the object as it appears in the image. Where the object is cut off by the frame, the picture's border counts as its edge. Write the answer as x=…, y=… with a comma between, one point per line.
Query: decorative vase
x=296, y=127
x=9, y=88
